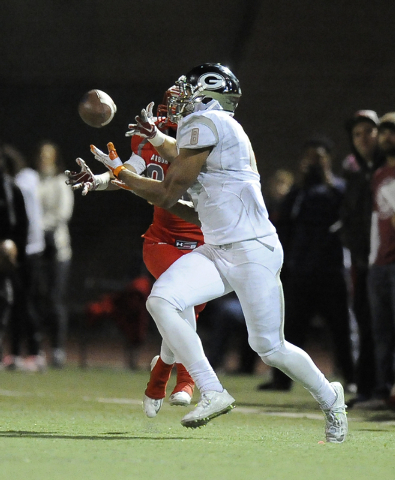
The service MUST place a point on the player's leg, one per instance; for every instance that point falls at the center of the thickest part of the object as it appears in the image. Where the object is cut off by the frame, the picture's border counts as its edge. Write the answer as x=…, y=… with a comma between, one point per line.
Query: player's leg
x=254, y=275
x=158, y=257
x=183, y=390
x=192, y=280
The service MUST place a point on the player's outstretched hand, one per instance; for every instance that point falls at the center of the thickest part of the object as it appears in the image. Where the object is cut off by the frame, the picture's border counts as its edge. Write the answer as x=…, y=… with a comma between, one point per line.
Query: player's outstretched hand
x=111, y=161
x=84, y=179
x=144, y=126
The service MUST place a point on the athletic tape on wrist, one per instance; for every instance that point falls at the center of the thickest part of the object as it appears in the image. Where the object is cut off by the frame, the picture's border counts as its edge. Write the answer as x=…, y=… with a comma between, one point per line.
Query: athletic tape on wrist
x=118, y=170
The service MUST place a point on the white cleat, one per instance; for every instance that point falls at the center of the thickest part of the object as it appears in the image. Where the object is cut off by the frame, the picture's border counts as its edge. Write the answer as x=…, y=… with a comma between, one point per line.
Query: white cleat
x=151, y=406
x=211, y=405
x=182, y=399
x=336, y=427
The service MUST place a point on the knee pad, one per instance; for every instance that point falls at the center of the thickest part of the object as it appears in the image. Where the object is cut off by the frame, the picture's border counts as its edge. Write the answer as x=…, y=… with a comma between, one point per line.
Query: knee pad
x=263, y=346
x=273, y=359
x=283, y=356
x=155, y=304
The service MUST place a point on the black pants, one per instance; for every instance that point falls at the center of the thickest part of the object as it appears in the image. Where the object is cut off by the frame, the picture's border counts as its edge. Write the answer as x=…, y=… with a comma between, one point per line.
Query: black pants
x=25, y=323
x=53, y=284
x=6, y=302
x=381, y=287
x=365, y=368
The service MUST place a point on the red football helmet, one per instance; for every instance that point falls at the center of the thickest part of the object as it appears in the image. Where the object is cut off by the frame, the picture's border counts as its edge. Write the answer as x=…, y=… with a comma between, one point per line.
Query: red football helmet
x=163, y=121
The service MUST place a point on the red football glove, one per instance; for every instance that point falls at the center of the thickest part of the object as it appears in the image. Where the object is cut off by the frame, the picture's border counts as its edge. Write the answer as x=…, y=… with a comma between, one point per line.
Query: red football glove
x=83, y=179
x=145, y=126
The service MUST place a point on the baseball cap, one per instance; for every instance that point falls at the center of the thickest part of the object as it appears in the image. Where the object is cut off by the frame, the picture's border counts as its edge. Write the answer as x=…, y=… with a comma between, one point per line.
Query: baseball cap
x=388, y=120
x=362, y=116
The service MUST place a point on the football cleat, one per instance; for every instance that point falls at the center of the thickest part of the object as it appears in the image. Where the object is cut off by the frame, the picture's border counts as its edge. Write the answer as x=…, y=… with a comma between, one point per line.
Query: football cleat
x=336, y=427
x=181, y=398
x=183, y=391
x=151, y=406
x=212, y=404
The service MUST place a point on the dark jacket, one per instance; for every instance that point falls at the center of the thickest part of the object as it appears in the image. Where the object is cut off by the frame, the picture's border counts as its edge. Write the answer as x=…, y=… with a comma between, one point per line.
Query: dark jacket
x=13, y=218
x=356, y=210
x=307, y=226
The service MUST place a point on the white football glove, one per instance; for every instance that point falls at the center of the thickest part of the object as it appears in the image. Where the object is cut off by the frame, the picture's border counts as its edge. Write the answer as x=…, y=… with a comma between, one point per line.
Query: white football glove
x=110, y=160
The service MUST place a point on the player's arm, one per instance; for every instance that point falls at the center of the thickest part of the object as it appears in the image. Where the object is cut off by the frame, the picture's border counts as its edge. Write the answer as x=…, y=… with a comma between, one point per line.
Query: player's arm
x=181, y=175
x=185, y=211
x=87, y=181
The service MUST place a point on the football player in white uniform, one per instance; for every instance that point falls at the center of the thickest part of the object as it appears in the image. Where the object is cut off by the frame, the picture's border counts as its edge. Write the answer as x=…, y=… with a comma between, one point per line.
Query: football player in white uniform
x=213, y=159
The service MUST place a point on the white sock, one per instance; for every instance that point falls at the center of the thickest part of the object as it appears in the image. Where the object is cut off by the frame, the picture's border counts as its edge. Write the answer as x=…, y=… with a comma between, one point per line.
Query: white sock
x=204, y=376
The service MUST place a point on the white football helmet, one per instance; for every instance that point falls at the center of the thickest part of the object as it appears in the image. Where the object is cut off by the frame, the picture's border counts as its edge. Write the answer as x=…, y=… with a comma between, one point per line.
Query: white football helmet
x=202, y=84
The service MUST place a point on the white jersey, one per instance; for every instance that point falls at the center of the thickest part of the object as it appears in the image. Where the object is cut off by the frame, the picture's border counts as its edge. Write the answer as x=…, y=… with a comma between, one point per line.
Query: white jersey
x=227, y=194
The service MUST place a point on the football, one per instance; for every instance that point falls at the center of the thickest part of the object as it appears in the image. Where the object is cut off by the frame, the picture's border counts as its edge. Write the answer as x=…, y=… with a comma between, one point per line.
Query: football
x=97, y=108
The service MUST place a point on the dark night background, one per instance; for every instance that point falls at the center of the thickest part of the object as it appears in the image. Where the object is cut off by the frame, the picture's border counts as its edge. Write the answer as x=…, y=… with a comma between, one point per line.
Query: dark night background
x=304, y=68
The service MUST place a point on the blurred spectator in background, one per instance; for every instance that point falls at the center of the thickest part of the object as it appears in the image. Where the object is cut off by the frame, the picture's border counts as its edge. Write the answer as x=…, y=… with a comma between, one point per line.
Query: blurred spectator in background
x=381, y=278
x=8, y=265
x=358, y=169
x=26, y=324
x=57, y=201
x=13, y=239
x=278, y=185
x=314, y=282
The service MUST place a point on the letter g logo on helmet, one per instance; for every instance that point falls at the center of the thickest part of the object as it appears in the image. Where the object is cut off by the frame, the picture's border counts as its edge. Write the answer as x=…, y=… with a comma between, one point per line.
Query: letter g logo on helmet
x=212, y=81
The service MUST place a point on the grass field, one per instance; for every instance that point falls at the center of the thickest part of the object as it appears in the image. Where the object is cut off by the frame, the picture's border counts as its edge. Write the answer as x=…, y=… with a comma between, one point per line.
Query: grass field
x=88, y=424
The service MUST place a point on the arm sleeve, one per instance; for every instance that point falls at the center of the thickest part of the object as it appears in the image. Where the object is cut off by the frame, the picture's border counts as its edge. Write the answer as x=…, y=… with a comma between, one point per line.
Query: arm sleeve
x=137, y=163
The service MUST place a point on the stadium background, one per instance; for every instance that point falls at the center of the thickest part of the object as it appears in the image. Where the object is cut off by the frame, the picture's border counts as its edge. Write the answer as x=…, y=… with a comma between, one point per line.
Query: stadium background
x=304, y=67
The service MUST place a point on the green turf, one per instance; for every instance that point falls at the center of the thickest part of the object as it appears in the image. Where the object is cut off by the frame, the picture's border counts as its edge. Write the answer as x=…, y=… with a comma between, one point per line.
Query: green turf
x=88, y=424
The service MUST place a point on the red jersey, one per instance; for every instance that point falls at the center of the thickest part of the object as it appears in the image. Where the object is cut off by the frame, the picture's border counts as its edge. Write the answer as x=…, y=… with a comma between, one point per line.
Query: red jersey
x=165, y=227
x=383, y=231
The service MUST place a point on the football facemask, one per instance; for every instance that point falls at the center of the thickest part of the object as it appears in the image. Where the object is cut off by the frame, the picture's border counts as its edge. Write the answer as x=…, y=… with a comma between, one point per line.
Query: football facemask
x=163, y=119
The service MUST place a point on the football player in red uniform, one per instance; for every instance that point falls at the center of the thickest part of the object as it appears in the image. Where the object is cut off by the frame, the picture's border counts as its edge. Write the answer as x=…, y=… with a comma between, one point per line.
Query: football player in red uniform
x=167, y=239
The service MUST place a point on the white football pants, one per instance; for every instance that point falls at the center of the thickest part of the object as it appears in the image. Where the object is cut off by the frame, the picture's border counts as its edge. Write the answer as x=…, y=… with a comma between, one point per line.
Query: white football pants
x=250, y=268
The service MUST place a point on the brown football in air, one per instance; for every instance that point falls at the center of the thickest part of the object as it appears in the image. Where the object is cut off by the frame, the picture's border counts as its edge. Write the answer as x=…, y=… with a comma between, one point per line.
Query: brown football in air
x=96, y=108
